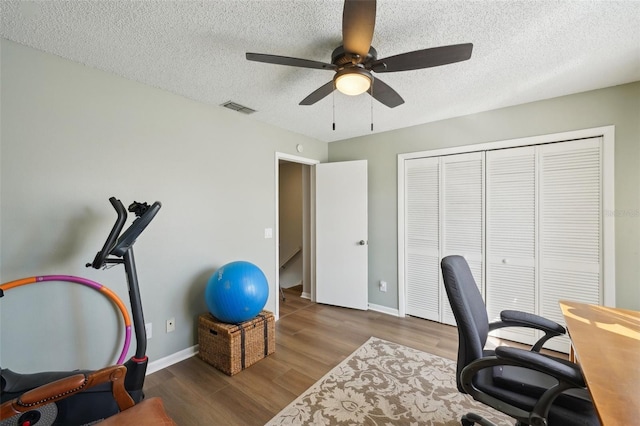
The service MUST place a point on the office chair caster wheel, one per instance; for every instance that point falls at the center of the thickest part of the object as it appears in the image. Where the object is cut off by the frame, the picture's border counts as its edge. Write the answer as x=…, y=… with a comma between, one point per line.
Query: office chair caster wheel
x=470, y=419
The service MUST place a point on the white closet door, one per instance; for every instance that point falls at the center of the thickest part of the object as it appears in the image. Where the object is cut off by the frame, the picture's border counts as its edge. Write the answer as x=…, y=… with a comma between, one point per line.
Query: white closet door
x=570, y=227
x=462, y=213
x=511, y=236
x=422, y=250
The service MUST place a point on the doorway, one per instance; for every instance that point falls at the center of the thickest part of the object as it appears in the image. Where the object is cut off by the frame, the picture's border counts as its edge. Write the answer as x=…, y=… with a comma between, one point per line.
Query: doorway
x=295, y=224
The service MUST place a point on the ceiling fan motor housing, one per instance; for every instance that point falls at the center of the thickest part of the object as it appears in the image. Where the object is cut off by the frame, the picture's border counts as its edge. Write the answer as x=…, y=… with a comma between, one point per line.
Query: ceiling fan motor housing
x=340, y=57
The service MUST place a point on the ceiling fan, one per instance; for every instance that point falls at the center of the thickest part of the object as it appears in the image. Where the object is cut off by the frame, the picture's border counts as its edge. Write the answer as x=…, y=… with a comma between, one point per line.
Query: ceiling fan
x=355, y=60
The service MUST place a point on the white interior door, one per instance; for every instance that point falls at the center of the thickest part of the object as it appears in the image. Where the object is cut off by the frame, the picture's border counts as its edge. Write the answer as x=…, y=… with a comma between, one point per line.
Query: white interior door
x=570, y=230
x=422, y=243
x=341, y=234
x=511, y=236
x=462, y=213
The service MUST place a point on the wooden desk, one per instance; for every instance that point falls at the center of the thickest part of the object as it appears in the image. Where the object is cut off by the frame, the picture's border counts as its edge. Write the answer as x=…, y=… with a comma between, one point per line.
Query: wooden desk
x=606, y=342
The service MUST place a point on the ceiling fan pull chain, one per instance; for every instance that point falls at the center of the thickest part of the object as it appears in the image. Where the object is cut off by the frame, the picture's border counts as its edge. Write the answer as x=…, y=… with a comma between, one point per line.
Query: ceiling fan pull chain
x=333, y=98
x=371, y=88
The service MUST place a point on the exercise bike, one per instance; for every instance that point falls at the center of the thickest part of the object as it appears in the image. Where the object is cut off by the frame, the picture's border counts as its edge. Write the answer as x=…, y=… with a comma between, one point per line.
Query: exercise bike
x=97, y=403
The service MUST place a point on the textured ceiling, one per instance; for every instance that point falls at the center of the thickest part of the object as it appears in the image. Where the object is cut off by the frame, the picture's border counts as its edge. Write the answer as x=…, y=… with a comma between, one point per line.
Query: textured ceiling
x=523, y=51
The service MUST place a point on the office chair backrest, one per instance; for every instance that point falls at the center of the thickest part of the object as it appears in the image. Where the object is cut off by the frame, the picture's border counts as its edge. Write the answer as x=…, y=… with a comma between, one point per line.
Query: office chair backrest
x=469, y=311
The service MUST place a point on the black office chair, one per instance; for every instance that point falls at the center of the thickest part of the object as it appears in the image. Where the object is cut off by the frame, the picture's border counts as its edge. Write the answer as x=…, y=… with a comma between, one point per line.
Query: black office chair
x=533, y=388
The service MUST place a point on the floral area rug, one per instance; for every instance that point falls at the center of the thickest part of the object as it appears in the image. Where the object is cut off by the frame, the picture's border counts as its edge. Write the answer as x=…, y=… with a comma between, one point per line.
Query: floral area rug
x=384, y=383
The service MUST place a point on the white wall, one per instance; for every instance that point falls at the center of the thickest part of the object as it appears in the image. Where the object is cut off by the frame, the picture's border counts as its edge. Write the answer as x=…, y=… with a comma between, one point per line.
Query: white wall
x=619, y=106
x=72, y=137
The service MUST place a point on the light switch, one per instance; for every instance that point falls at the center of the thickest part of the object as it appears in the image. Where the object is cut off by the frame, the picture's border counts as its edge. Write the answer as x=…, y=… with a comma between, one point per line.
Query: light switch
x=268, y=232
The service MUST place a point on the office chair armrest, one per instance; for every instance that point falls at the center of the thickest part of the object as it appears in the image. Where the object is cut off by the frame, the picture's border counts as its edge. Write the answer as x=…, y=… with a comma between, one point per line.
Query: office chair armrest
x=566, y=372
x=524, y=319
x=511, y=318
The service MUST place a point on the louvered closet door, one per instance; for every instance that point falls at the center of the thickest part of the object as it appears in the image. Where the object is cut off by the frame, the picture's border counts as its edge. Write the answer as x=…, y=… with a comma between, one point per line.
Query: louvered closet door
x=422, y=250
x=570, y=227
x=511, y=235
x=462, y=216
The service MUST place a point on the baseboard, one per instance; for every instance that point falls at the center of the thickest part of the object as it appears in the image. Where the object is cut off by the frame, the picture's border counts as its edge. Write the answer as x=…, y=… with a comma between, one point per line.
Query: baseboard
x=172, y=359
x=384, y=309
x=305, y=295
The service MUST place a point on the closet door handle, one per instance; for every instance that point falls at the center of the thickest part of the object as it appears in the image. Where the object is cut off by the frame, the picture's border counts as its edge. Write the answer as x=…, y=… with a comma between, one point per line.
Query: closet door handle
x=362, y=242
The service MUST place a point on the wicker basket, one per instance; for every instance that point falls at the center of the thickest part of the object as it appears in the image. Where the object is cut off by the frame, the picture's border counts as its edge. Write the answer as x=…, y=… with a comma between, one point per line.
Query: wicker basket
x=233, y=347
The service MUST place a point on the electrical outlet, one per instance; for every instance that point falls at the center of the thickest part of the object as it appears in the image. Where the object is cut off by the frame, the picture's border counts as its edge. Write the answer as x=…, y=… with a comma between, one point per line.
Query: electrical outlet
x=383, y=286
x=149, y=329
x=171, y=325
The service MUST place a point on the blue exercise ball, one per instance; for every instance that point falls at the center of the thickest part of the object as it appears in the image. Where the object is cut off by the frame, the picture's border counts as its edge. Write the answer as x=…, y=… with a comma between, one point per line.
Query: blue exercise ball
x=236, y=292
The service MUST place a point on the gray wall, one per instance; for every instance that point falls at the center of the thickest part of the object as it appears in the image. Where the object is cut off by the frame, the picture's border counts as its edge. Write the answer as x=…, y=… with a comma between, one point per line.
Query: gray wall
x=72, y=137
x=619, y=106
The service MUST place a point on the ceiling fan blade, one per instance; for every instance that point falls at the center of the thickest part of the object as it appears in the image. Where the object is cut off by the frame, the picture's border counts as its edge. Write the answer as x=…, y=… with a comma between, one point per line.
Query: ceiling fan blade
x=358, y=22
x=318, y=94
x=425, y=58
x=383, y=93
x=285, y=60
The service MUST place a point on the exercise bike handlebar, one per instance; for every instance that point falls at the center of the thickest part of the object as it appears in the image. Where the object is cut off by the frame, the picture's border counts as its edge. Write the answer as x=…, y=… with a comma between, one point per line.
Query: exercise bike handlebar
x=102, y=255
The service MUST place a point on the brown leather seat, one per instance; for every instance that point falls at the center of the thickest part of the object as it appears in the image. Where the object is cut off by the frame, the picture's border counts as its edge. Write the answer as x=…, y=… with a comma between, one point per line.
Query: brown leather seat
x=147, y=412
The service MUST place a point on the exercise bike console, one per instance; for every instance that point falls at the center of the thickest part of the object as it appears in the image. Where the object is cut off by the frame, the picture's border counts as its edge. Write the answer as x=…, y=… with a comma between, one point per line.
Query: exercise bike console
x=145, y=214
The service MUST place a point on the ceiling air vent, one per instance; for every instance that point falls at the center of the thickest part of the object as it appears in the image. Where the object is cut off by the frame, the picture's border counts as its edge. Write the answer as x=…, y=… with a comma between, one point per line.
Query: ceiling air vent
x=237, y=107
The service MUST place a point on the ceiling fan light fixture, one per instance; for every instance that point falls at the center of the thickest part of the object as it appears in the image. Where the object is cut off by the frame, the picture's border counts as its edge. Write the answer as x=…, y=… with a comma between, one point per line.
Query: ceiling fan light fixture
x=353, y=81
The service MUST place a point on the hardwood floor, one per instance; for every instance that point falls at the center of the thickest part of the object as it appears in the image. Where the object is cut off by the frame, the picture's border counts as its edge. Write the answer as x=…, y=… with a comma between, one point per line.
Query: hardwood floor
x=310, y=340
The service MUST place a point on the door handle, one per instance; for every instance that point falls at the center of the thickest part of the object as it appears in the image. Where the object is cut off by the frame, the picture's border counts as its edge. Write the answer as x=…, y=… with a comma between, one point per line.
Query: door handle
x=362, y=242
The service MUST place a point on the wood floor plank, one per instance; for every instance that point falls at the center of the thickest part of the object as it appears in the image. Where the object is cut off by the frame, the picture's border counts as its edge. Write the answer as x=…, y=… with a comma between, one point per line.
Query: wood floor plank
x=299, y=362
x=296, y=381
